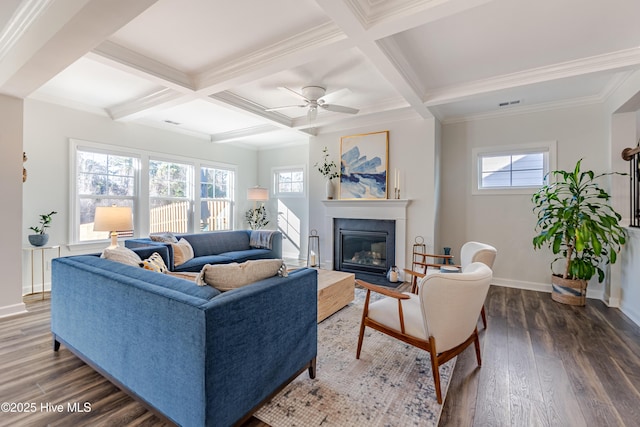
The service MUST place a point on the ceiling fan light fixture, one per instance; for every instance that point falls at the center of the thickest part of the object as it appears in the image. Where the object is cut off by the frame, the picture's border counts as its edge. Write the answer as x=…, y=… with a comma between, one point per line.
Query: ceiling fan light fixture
x=312, y=113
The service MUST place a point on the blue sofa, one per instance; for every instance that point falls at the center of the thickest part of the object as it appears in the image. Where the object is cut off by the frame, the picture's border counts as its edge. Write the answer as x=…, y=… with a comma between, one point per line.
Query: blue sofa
x=215, y=247
x=198, y=356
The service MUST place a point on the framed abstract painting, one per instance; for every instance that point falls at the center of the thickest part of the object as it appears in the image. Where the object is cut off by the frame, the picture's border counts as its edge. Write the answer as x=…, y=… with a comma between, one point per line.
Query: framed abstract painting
x=363, y=166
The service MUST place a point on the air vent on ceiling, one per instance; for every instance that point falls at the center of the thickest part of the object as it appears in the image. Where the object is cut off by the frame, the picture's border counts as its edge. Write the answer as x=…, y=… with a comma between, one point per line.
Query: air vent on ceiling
x=171, y=122
x=507, y=103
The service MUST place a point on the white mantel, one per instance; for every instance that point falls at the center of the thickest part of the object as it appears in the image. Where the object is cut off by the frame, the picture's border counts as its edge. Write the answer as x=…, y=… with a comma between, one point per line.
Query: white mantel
x=390, y=209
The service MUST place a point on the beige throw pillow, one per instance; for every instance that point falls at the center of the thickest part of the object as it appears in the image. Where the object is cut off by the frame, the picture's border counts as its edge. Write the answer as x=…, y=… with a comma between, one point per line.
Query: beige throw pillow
x=225, y=277
x=182, y=252
x=122, y=255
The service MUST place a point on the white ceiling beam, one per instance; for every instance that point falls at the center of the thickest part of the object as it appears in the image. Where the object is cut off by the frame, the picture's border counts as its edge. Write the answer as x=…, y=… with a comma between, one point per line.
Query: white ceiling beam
x=161, y=99
x=62, y=37
x=312, y=44
x=382, y=54
x=619, y=60
x=230, y=99
x=132, y=62
x=386, y=18
x=243, y=133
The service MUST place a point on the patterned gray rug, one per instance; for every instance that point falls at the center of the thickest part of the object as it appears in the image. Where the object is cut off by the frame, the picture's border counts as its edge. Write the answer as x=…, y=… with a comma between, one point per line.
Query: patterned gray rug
x=391, y=384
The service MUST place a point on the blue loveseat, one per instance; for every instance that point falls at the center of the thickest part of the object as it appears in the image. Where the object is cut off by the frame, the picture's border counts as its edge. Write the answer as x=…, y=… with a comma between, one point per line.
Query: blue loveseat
x=215, y=247
x=200, y=357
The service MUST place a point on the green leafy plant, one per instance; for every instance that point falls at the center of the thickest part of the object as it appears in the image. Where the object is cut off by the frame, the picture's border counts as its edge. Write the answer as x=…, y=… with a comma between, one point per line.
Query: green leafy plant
x=577, y=222
x=327, y=168
x=257, y=218
x=45, y=222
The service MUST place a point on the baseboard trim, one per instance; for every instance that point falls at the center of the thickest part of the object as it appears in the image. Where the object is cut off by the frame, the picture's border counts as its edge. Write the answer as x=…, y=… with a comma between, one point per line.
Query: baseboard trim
x=631, y=313
x=12, y=310
x=539, y=287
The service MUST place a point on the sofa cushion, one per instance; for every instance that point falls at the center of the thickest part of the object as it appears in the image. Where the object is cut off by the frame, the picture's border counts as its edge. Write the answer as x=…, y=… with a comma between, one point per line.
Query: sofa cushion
x=242, y=256
x=226, y=277
x=217, y=242
x=182, y=252
x=122, y=255
x=197, y=263
x=154, y=263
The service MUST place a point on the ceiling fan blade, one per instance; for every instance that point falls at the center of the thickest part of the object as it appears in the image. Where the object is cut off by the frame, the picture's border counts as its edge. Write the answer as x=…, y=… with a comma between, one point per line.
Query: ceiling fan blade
x=284, y=107
x=293, y=92
x=339, y=108
x=335, y=95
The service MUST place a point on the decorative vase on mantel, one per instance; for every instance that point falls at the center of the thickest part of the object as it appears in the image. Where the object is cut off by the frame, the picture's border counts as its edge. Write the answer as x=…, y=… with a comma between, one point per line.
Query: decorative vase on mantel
x=330, y=189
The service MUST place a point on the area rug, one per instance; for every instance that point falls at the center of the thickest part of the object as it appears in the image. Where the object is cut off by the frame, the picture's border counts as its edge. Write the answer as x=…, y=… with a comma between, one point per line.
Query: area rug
x=391, y=384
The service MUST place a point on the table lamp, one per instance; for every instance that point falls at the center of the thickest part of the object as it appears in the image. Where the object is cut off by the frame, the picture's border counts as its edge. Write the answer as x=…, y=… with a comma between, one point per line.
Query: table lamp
x=113, y=219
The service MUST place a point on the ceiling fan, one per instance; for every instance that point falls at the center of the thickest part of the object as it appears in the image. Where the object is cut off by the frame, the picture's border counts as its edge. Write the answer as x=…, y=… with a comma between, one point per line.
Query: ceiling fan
x=315, y=97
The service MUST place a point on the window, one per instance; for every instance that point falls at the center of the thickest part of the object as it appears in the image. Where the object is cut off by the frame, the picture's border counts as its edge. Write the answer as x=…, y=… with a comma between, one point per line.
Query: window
x=288, y=182
x=216, y=189
x=174, y=193
x=170, y=197
x=102, y=179
x=512, y=170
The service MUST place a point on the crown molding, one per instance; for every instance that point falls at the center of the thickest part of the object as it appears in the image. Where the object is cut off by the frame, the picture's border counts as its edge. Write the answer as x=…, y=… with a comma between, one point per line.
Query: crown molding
x=302, y=47
x=233, y=135
x=536, y=108
x=142, y=65
x=606, y=62
x=27, y=13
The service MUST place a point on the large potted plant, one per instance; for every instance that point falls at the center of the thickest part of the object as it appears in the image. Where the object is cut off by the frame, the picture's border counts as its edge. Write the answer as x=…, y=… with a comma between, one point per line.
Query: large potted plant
x=576, y=221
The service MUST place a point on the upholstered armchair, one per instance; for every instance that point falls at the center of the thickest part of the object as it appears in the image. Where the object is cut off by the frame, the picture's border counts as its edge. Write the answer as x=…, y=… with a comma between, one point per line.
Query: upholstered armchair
x=469, y=253
x=440, y=319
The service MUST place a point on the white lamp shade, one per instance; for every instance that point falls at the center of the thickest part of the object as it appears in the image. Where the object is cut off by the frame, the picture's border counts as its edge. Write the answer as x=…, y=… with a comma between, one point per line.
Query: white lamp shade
x=113, y=218
x=257, y=193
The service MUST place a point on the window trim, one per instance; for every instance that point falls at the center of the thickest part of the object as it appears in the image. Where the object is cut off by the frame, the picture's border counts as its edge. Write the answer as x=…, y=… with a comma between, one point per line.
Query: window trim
x=549, y=148
x=291, y=168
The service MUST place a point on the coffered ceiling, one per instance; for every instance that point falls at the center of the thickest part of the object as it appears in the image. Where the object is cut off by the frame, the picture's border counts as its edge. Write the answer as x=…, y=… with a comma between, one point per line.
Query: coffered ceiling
x=213, y=68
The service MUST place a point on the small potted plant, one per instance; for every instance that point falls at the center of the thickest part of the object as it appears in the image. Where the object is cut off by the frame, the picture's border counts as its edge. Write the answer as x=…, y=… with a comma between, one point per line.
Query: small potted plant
x=41, y=238
x=257, y=217
x=576, y=221
x=329, y=170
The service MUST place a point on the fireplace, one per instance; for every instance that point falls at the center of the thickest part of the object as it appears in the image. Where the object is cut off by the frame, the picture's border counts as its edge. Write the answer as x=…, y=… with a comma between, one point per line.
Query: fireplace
x=364, y=246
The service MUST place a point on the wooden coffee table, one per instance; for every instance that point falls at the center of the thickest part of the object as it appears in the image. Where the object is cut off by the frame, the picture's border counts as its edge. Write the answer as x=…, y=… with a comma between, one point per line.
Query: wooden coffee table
x=335, y=290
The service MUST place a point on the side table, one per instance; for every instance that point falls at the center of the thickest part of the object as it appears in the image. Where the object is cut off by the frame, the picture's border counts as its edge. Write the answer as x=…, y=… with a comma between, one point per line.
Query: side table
x=42, y=250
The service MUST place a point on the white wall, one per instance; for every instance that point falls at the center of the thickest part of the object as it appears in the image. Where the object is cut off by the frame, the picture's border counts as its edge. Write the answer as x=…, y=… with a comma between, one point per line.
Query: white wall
x=47, y=130
x=412, y=148
x=11, y=119
x=289, y=214
x=507, y=221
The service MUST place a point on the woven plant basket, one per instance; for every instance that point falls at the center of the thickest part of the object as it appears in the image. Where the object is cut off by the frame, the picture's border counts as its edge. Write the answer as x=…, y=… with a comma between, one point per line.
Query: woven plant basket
x=568, y=291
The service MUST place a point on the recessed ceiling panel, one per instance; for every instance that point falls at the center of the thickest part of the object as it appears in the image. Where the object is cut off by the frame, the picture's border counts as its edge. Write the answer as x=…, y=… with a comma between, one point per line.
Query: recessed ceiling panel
x=91, y=83
x=506, y=36
x=346, y=69
x=191, y=35
x=577, y=90
x=204, y=117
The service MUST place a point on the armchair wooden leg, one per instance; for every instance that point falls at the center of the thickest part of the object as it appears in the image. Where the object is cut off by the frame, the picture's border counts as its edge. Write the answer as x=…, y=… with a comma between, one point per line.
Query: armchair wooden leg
x=476, y=342
x=484, y=317
x=360, y=339
x=435, y=368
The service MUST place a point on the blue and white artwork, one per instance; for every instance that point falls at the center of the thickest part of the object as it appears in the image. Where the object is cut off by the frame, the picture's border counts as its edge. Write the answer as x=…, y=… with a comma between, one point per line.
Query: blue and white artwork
x=363, y=166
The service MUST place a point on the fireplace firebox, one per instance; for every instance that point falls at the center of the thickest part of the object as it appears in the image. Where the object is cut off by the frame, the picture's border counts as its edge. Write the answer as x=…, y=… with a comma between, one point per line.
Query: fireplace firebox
x=364, y=246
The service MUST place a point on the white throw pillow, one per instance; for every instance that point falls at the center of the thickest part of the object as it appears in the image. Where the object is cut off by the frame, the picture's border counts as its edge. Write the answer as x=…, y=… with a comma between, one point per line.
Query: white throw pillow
x=182, y=252
x=154, y=263
x=225, y=277
x=122, y=255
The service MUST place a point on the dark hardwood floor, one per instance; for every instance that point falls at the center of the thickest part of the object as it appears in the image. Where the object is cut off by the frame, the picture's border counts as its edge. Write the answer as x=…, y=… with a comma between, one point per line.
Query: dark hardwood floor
x=543, y=364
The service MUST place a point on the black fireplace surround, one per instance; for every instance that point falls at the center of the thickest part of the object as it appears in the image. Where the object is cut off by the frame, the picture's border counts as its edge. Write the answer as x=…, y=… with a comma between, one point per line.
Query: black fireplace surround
x=364, y=246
